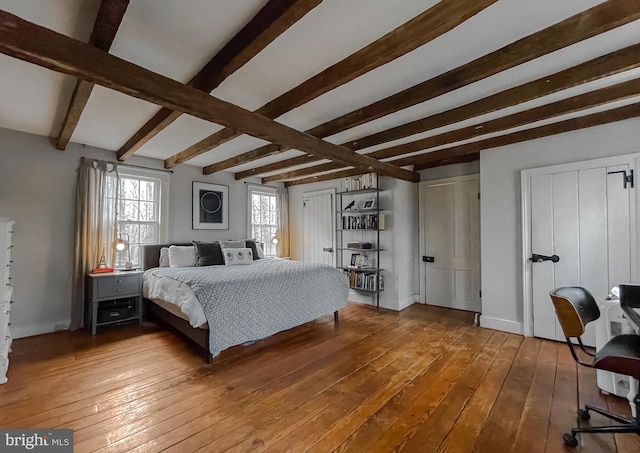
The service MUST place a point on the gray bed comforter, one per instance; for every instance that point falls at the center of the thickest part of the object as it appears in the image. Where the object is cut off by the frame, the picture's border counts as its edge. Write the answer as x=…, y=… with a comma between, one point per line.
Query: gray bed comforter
x=249, y=302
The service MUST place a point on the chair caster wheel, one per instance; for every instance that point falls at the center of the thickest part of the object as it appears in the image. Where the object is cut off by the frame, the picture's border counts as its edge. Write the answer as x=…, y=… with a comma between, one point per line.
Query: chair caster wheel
x=570, y=440
x=584, y=414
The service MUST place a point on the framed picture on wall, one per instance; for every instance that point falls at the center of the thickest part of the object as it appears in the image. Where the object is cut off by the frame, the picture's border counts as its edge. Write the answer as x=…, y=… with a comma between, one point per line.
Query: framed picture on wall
x=210, y=206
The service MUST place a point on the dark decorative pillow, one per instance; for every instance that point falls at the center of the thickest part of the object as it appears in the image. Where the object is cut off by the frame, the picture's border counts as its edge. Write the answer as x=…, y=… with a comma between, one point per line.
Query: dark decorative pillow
x=208, y=253
x=251, y=243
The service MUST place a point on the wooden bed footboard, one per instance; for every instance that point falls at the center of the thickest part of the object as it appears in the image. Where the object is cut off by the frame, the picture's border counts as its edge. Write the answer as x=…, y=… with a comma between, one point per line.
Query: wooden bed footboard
x=199, y=336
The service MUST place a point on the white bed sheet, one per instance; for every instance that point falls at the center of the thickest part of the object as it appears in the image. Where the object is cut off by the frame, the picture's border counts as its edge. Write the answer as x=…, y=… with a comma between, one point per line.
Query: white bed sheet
x=175, y=292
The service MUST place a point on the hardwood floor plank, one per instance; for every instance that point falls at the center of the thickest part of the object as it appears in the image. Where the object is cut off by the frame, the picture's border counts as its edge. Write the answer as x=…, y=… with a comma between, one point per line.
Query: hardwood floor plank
x=625, y=443
x=109, y=432
x=419, y=380
x=590, y=394
x=285, y=394
x=501, y=425
x=448, y=367
x=532, y=432
x=356, y=391
x=485, y=378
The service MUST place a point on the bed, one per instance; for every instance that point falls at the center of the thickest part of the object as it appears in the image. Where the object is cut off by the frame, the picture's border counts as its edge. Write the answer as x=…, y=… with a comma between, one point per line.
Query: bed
x=220, y=306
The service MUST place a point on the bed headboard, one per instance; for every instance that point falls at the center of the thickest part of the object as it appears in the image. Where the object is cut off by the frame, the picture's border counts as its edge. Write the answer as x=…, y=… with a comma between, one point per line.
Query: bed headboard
x=151, y=254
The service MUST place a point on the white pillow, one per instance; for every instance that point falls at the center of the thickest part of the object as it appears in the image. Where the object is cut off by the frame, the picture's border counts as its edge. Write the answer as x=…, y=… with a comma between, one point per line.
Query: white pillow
x=234, y=256
x=164, y=257
x=182, y=256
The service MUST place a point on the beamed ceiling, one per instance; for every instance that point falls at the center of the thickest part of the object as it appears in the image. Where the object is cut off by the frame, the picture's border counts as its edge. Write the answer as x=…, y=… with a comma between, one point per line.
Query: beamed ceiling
x=309, y=90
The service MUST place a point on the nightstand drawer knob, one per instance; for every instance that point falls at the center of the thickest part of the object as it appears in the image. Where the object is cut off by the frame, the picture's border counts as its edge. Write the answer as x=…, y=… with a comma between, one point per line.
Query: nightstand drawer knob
x=120, y=290
x=119, y=281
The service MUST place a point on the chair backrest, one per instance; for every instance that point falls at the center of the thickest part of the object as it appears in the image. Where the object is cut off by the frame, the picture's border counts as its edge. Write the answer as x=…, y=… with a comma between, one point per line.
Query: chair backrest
x=575, y=308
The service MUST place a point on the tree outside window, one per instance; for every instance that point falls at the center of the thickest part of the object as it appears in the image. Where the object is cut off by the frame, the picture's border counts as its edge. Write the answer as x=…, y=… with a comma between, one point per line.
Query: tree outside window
x=263, y=217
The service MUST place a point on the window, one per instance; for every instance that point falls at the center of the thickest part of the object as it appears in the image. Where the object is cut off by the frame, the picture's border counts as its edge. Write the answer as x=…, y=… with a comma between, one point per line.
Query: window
x=263, y=217
x=142, y=207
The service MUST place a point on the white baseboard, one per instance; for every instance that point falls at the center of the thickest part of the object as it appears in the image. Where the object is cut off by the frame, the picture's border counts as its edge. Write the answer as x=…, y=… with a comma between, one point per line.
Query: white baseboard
x=39, y=329
x=414, y=299
x=367, y=300
x=501, y=324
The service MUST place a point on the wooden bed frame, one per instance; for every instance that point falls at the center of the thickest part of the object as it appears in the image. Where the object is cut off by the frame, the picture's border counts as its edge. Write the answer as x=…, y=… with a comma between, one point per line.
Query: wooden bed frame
x=200, y=336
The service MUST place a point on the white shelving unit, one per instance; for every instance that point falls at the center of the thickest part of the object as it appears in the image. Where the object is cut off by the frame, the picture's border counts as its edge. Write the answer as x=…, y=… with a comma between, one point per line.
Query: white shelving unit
x=360, y=219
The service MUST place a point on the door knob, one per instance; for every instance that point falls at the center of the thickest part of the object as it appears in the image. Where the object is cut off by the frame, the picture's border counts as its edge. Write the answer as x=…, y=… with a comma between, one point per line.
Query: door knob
x=537, y=258
x=327, y=249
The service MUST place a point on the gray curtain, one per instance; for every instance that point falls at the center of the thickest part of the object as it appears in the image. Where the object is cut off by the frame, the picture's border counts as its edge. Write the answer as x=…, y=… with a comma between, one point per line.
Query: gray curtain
x=283, y=223
x=95, y=227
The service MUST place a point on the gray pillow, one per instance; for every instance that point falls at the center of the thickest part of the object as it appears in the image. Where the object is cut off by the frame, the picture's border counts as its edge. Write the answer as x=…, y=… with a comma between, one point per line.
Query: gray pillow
x=208, y=253
x=253, y=245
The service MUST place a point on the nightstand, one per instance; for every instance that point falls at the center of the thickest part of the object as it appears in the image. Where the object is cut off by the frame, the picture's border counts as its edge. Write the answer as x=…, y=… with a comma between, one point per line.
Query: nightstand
x=113, y=297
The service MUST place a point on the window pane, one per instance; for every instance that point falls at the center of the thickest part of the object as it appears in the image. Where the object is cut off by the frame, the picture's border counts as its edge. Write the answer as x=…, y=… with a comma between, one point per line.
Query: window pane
x=132, y=230
x=128, y=210
x=147, y=211
x=147, y=190
x=129, y=189
x=147, y=234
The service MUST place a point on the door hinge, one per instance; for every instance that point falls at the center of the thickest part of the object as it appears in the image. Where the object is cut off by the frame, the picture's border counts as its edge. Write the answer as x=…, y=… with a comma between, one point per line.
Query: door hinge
x=626, y=179
x=478, y=195
x=480, y=293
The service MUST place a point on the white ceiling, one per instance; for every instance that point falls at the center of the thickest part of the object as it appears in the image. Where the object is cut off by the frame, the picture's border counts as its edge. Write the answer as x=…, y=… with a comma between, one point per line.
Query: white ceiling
x=176, y=38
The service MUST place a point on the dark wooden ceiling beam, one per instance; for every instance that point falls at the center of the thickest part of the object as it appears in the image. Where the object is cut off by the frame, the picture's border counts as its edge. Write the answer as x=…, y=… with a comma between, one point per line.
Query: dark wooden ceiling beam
x=264, y=151
x=436, y=21
x=594, y=21
x=270, y=22
x=471, y=151
x=607, y=65
x=449, y=161
x=106, y=26
x=327, y=177
x=573, y=104
x=35, y=44
x=573, y=124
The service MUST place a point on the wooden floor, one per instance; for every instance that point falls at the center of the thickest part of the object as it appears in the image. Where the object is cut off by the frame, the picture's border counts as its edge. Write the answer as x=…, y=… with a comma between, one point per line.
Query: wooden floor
x=418, y=381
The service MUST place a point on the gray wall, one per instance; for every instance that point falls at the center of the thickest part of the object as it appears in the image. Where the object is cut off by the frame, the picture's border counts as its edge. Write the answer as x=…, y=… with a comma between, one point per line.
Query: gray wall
x=501, y=219
x=37, y=190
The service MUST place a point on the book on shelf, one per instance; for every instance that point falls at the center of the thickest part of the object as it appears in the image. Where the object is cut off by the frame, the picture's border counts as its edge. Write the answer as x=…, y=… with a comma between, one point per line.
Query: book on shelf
x=363, y=222
x=362, y=182
x=368, y=282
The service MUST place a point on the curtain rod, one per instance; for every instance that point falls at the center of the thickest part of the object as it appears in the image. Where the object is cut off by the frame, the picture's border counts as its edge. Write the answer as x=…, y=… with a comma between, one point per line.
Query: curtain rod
x=145, y=168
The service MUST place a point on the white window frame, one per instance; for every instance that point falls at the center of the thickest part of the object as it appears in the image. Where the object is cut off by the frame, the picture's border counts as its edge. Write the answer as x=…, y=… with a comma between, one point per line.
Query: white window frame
x=262, y=190
x=163, y=206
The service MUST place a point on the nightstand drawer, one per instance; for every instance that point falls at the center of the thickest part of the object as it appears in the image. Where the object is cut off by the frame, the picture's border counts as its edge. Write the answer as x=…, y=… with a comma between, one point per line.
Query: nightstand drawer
x=119, y=286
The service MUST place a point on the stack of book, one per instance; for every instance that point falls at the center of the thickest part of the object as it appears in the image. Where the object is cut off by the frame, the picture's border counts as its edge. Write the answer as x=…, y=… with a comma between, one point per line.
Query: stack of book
x=368, y=181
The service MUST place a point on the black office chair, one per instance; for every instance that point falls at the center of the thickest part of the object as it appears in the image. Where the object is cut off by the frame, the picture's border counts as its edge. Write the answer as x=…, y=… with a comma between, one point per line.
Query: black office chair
x=575, y=308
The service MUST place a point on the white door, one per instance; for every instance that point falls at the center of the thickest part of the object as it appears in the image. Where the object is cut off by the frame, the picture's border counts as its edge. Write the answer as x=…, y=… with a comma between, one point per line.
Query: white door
x=319, y=226
x=584, y=214
x=450, y=243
